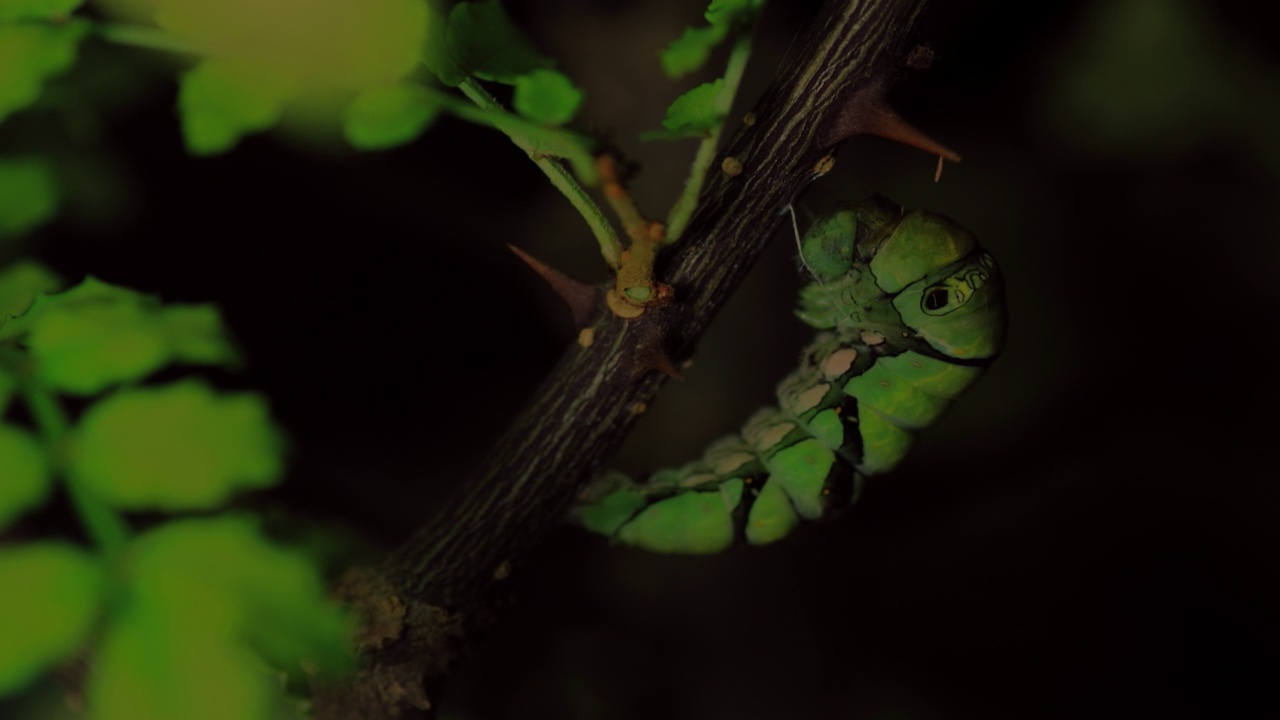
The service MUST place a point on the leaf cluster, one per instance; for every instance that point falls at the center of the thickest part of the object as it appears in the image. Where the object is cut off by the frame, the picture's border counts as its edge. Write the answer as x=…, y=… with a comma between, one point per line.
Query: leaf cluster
x=195, y=613
x=184, y=618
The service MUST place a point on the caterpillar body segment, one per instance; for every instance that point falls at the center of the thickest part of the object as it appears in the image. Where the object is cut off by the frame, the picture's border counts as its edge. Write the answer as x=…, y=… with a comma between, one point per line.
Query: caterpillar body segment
x=909, y=311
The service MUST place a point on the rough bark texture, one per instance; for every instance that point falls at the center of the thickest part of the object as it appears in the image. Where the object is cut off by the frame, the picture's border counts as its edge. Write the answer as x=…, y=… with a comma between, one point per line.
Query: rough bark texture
x=431, y=590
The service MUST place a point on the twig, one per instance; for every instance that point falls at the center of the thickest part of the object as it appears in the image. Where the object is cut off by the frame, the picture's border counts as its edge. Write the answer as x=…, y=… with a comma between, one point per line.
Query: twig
x=518, y=131
x=445, y=573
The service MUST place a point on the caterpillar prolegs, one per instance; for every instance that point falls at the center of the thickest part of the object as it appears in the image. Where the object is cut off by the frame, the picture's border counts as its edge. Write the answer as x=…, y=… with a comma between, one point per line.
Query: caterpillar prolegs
x=910, y=310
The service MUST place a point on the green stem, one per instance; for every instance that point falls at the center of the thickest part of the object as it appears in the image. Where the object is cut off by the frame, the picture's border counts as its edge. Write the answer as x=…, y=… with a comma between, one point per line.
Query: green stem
x=523, y=133
x=683, y=209
x=108, y=530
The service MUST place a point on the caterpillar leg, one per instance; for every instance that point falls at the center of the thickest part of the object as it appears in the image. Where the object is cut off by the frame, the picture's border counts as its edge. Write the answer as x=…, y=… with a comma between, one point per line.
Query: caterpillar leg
x=658, y=517
x=755, y=488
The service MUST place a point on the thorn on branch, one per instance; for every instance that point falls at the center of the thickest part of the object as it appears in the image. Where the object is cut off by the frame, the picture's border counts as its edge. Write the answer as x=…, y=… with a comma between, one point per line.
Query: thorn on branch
x=580, y=297
x=921, y=57
x=865, y=112
x=651, y=354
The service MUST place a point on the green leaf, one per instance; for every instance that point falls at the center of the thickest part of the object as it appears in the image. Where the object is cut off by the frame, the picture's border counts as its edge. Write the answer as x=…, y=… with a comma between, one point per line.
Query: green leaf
x=176, y=447
x=19, y=285
x=152, y=666
x=384, y=117
x=194, y=334
x=547, y=96
x=317, y=45
x=207, y=598
x=52, y=597
x=221, y=101
x=436, y=54
x=26, y=481
x=484, y=42
x=30, y=54
x=37, y=9
x=264, y=56
x=28, y=195
x=96, y=335
x=693, y=113
x=728, y=12
x=690, y=51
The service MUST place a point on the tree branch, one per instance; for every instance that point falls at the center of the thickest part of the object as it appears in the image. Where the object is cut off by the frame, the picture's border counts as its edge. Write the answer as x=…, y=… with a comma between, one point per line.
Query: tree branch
x=421, y=601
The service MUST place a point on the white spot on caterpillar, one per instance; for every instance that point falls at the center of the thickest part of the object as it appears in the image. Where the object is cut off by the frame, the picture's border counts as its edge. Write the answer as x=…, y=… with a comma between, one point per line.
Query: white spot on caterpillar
x=698, y=479
x=871, y=337
x=503, y=571
x=727, y=464
x=805, y=401
x=637, y=408
x=731, y=166
x=586, y=337
x=771, y=435
x=839, y=362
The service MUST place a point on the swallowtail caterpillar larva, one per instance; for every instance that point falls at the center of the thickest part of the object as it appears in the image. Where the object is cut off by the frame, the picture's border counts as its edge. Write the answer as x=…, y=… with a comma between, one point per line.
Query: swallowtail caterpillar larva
x=909, y=311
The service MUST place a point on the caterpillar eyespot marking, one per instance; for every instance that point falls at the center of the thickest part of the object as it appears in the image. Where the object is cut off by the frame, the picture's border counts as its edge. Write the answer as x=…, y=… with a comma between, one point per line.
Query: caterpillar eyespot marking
x=909, y=311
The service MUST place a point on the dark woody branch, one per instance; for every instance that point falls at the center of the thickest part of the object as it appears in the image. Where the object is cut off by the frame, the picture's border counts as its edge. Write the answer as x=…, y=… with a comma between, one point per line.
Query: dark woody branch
x=421, y=603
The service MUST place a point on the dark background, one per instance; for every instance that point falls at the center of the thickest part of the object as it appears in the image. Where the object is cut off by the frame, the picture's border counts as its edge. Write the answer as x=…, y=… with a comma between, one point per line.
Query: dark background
x=1090, y=533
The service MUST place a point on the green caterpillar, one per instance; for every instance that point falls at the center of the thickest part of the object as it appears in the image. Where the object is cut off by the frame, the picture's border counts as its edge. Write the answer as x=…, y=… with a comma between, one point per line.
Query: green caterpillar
x=910, y=310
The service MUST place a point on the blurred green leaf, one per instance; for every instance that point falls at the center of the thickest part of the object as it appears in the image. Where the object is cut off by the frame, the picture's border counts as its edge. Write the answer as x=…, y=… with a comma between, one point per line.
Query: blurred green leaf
x=484, y=41
x=194, y=334
x=436, y=53
x=222, y=100
x=28, y=195
x=19, y=285
x=384, y=117
x=176, y=447
x=315, y=44
x=153, y=665
x=29, y=55
x=290, y=54
x=36, y=9
x=1155, y=78
x=52, y=597
x=547, y=96
x=207, y=597
x=729, y=12
x=693, y=113
x=26, y=481
x=96, y=335
x=690, y=51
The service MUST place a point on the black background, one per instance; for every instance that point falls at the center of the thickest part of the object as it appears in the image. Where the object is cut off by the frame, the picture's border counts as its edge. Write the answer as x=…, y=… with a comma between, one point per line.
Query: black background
x=1090, y=533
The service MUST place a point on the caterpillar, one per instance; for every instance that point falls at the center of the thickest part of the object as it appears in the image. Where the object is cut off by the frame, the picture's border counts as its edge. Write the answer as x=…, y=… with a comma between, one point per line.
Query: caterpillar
x=909, y=310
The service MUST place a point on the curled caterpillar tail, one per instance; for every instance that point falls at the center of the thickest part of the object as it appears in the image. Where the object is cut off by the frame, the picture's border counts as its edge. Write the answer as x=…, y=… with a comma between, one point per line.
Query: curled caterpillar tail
x=910, y=310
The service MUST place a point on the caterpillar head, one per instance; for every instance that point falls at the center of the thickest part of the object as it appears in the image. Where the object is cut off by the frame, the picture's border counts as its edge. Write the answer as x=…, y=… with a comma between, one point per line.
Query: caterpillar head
x=945, y=287
x=876, y=264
